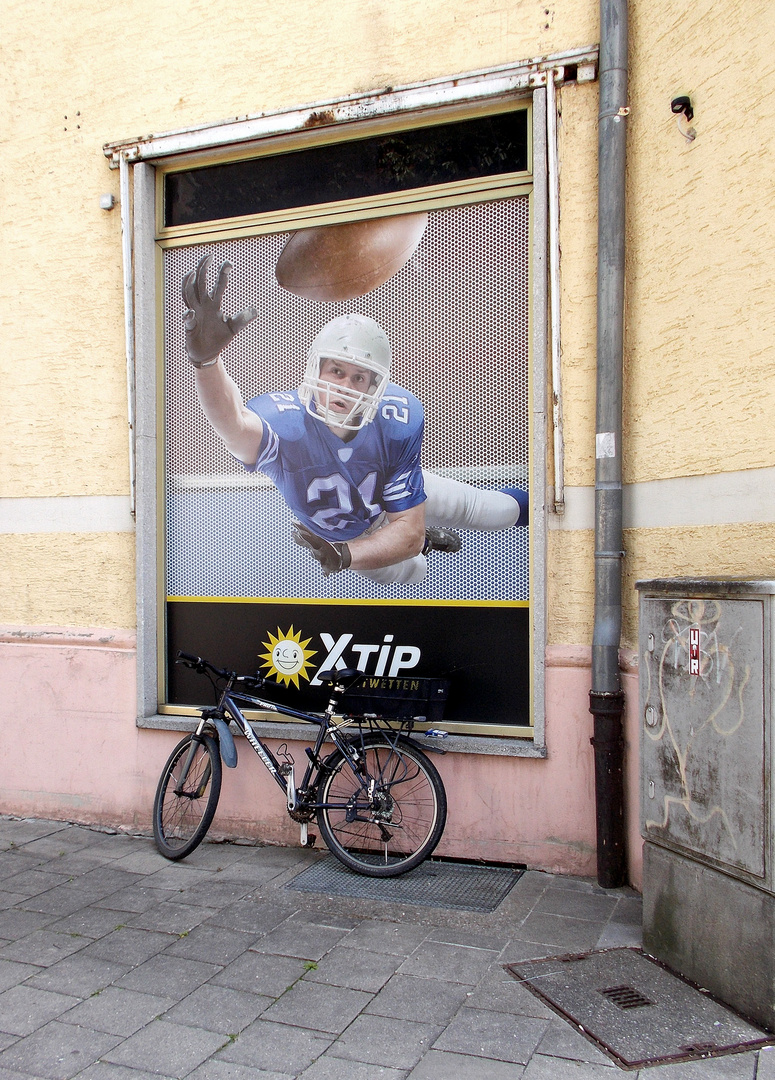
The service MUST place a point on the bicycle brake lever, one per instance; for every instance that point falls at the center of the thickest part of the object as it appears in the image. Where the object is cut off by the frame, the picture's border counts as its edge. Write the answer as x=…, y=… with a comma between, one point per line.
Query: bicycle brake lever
x=252, y=682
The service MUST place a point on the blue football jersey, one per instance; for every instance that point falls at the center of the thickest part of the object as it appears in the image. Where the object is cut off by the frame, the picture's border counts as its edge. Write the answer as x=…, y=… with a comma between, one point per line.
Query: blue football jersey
x=338, y=489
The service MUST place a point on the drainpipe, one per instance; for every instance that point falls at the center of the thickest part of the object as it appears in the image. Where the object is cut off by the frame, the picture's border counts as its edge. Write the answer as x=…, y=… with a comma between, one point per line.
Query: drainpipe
x=606, y=697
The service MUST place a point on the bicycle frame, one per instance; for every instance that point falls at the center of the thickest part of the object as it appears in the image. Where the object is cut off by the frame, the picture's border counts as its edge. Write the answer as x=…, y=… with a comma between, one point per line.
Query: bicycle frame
x=283, y=773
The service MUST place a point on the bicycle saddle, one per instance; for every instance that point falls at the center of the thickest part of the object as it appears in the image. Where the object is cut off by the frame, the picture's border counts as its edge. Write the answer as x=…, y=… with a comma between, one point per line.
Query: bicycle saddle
x=347, y=677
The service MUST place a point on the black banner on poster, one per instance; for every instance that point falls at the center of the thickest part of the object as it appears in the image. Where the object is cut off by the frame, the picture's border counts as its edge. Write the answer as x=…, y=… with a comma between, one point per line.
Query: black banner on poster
x=483, y=651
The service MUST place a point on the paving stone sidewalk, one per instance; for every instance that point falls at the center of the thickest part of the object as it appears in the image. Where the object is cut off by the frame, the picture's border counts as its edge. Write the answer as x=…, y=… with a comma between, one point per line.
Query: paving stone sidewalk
x=118, y=965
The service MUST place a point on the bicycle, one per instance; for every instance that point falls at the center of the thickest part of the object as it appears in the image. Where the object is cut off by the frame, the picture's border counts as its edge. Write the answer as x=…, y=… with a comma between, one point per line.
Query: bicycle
x=379, y=802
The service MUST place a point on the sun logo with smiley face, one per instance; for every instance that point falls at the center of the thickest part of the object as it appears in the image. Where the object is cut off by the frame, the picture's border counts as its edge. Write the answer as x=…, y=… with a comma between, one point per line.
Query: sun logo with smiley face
x=288, y=656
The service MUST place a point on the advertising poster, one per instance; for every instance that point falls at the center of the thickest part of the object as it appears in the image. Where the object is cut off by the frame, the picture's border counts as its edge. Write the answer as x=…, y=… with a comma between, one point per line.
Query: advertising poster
x=375, y=391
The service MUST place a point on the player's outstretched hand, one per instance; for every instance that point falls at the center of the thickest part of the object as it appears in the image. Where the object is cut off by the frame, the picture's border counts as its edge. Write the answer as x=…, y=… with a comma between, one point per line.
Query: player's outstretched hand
x=208, y=330
x=332, y=557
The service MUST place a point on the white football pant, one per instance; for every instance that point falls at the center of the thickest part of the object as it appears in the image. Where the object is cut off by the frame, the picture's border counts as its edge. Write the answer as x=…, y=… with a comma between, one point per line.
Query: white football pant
x=452, y=505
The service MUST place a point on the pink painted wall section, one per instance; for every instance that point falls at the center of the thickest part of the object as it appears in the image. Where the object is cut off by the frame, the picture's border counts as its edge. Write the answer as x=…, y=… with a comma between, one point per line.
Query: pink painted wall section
x=70, y=747
x=71, y=750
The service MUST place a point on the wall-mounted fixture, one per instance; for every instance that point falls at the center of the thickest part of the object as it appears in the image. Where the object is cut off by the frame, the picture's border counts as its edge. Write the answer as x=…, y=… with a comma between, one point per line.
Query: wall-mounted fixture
x=682, y=105
x=684, y=113
x=107, y=202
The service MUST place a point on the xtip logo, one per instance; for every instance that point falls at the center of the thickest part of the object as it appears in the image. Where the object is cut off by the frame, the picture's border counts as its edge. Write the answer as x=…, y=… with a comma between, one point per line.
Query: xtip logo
x=288, y=657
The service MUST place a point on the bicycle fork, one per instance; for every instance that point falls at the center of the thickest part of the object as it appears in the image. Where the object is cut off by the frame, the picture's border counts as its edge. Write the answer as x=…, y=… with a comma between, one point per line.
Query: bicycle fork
x=202, y=787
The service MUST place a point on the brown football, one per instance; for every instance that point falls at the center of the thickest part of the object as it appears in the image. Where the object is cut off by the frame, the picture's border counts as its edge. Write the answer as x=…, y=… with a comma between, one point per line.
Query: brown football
x=340, y=262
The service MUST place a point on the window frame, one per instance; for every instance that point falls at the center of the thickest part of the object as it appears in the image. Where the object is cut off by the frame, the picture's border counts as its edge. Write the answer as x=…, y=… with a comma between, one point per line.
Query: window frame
x=147, y=167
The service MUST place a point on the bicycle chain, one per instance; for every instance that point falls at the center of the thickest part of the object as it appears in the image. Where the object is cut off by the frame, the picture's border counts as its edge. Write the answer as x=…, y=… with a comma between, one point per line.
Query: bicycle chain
x=301, y=814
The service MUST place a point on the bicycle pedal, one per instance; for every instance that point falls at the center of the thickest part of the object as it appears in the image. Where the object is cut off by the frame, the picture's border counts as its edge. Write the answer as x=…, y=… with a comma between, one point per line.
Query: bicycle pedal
x=310, y=841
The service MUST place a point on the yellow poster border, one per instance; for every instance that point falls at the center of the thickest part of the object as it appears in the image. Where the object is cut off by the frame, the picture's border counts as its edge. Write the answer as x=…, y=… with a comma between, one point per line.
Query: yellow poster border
x=348, y=602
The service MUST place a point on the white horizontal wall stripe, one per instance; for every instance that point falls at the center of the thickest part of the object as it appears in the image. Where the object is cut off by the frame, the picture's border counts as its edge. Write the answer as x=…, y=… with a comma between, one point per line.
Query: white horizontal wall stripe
x=726, y=498
x=579, y=509
x=723, y=499
x=67, y=514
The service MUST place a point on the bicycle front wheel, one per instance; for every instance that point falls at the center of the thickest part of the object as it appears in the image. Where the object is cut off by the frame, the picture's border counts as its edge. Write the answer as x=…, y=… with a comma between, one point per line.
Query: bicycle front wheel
x=187, y=795
x=393, y=822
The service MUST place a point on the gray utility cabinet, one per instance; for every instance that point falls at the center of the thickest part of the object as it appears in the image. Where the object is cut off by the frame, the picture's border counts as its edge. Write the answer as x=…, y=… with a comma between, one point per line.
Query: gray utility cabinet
x=706, y=701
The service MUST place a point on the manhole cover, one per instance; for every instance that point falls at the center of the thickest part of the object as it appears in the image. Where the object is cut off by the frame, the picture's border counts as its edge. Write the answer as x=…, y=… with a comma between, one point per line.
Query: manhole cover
x=635, y=1010
x=459, y=886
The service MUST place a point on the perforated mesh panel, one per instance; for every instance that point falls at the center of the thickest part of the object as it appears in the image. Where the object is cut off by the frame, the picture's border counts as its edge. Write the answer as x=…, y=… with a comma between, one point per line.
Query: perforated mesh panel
x=457, y=320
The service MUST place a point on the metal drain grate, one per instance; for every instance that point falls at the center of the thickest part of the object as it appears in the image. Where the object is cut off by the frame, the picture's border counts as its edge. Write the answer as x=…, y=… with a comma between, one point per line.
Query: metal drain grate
x=625, y=997
x=681, y=1023
x=457, y=886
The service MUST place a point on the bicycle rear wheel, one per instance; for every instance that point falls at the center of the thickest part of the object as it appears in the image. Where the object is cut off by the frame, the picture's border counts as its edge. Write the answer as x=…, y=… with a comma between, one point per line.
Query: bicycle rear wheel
x=187, y=795
x=394, y=828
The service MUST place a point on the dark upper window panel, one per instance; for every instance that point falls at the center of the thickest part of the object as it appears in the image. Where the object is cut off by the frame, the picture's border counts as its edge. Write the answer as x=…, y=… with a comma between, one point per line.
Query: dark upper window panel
x=464, y=150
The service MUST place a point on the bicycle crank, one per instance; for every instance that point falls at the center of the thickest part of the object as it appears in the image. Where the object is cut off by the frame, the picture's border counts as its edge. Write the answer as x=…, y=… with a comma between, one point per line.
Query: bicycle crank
x=306, y=838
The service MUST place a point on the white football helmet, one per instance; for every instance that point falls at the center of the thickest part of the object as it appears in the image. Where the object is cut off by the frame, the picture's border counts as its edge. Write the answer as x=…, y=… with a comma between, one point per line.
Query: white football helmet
x=351, y=339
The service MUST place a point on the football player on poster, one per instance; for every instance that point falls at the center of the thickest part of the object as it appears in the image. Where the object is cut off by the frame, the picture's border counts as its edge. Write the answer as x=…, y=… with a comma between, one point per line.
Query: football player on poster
x=343, y=449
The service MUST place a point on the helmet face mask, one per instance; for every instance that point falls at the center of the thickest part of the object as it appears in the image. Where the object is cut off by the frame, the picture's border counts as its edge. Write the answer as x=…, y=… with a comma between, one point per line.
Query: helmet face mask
x=354, y=341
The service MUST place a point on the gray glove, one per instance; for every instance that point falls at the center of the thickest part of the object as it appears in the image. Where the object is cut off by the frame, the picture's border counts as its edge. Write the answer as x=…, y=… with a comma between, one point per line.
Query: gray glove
x=208, y=330
x=332, y=557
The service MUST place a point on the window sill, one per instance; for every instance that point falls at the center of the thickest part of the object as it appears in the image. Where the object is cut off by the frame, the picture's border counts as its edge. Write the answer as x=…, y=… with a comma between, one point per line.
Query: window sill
x=490, y=745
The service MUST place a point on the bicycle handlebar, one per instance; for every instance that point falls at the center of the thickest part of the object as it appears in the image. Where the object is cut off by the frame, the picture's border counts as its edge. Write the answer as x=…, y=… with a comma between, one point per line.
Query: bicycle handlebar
x=188, y=659
x=201, y=666
x=198, y=663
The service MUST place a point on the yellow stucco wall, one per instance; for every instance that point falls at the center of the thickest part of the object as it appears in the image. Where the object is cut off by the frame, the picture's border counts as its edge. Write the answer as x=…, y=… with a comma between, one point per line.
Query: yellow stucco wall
x=746, y=550
x=700, y=363
x=699, y=379
x=570, y=592
x=699, y=357
x=81, y=579
x=577, y=151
